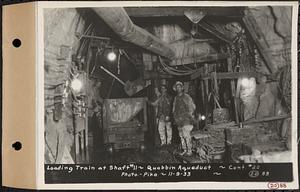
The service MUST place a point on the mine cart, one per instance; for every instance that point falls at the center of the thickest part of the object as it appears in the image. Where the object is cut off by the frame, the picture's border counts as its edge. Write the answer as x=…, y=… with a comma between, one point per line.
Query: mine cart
x=124, y=123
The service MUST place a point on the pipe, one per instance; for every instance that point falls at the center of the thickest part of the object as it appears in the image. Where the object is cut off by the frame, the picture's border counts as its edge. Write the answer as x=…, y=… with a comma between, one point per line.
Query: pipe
x=118, y=20
x=111, y=74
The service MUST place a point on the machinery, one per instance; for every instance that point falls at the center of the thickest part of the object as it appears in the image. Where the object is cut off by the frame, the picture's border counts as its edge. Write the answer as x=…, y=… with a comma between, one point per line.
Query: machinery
x=124, y=123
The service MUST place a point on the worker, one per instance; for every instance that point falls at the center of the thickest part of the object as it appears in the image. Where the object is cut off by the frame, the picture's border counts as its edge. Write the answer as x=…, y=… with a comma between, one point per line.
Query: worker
x=164, y=104
x=183, y=109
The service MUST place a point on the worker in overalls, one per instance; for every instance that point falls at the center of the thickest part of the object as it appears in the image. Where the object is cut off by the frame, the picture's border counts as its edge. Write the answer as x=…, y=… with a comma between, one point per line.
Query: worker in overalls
x=183, y=109
x=163, y=104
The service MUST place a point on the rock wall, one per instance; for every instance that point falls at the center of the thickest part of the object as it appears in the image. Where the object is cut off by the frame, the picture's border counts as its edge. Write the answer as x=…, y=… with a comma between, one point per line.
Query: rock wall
x=62, y=28
x=275, y=25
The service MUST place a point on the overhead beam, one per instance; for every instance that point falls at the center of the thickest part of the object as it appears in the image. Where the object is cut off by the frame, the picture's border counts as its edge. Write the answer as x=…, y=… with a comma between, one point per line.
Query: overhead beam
x=206, y=26
x=232, y=75
x=266, y=119
x=156, y=75
x=199, y=59
x=179, y=11
x=118, y=20
x=226, y=75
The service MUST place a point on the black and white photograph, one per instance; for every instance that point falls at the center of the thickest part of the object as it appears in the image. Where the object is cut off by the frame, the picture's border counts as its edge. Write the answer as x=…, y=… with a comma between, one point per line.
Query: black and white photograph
x=168, y=93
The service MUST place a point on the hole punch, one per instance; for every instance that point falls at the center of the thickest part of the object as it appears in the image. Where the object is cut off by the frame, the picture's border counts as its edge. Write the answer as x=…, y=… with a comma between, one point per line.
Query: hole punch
x=16, y=43
x=17, y=146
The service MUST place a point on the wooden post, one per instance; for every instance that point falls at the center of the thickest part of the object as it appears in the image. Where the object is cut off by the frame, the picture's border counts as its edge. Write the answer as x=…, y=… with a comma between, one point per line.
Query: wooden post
x=228, y=146
x=215, y=83
x=152, y=118
x=202, y=92
x=197, y=87
x=85, y=147
x=81, y=144
x=206, y=92
x=233, y=91
x=145, y=114
x=86, y=118
x=74, y=134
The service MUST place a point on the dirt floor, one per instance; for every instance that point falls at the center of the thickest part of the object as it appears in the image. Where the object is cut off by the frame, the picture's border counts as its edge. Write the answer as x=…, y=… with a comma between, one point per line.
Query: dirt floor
x=157, y=155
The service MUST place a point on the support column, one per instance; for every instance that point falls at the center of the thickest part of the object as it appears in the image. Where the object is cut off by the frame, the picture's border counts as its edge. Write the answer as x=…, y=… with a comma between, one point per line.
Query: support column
x=233, y=92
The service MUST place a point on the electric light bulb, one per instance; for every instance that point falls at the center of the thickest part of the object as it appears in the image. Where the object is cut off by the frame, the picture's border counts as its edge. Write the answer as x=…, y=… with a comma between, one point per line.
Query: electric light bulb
x=203, y=117
x=111, y=56
x=76, y=85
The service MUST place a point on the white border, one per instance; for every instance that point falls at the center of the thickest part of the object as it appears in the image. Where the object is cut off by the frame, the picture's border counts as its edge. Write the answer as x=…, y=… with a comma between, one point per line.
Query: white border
x=166, y=185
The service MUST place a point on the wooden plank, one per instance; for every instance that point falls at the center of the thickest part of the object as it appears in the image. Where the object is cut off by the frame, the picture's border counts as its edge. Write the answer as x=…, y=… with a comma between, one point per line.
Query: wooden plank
x=234, y=126
x=221, y=125
x=201, y=59
x=267, y=119
x=96, y=37
x=231, y=75
x=179, y=11
x=258, y=38
x=216, y=88
x=156, y=75
x=154, y=12
x=198, y=74
x=209, y=28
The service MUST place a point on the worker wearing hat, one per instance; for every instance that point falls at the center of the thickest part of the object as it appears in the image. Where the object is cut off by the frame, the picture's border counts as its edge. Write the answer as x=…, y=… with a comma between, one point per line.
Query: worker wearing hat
x=164, y=105
x=183, y=109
